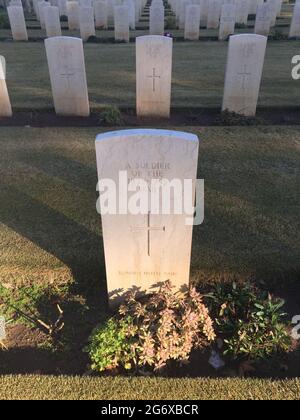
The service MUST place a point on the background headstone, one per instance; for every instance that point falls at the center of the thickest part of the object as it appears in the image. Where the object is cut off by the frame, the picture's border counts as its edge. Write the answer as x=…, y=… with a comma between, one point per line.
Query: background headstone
x=5, y=106
x=245, y=62
x=153, y=75
x=192, y=23
x=263, y=20
x=157, y=20
x=121, y=18
x=295, y=24
x=86, y=23
x=68, y=77
x=73, y=15
x=52, y=21
x=17, y=23
x=144, y=249
x=214, y=12
x=227, y=22
x=242, y=9
x=101, y=17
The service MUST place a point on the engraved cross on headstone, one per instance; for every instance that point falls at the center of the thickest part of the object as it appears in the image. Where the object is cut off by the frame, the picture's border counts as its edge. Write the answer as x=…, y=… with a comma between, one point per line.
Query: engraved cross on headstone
x=244, y=75
x=153, y=77
x=67, y=74
x=149, y=229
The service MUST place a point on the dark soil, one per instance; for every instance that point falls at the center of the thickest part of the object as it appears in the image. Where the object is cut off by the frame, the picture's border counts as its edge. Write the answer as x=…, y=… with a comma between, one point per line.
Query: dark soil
x=29, y=352
x=179, y=117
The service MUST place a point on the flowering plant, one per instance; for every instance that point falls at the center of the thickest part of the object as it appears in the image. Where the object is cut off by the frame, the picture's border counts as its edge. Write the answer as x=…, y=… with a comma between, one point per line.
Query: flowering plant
x=164, y=326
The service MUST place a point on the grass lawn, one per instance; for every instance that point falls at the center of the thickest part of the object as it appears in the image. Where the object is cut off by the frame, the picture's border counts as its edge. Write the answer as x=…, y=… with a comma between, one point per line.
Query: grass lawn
x=76, y=388
x=50, y=229
x=198, y=75
x=50, y=232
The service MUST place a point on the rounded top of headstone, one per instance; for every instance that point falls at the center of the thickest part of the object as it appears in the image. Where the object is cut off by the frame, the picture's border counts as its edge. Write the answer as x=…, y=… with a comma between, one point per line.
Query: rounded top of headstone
x=160, y=38
x=148, y=132
x=253, y=36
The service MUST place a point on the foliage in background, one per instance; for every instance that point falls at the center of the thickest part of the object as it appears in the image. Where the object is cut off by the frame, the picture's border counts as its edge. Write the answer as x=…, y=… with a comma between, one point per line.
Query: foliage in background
x=4, y=21
x=148, y=332
x=251, y=323
x=170, y=22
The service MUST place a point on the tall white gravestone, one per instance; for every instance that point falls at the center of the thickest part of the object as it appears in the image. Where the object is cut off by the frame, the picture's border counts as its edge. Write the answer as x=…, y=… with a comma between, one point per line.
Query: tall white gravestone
x=245, y=62
x=101, y=17
x=17, y=23
x=144, y=249
x=5, y=106
x=214, y=12
x=192, y=23
x=153, y=75
x=68, y=77
x=242, y=11
x=86, y=23
x=263, y=20
x=227, y=22
x=52, y=21
x=157, y=20
x=295, y=24
x=73, y=15
x=42, y=5
x=121, y=18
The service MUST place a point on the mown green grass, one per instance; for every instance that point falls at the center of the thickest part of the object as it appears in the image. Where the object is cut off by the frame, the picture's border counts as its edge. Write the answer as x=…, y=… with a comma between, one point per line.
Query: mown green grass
x=50, y=231
x=198, y=74
x=77, y=388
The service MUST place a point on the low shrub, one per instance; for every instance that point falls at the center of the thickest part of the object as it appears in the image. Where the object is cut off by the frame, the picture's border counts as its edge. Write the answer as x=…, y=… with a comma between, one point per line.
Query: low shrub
x=250, y=322
x=111, y=115
x=148, y=332
x=170, y=22
x=4, y=21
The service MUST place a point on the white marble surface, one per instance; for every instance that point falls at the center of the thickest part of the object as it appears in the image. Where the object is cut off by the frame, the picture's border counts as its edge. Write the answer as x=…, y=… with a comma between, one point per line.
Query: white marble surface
x=68, y=77
x=52, y=21
x=245, y=62
x=192, y=23
x=143, y=249
x=5, y=106
x=153, y=75
x=17, y=23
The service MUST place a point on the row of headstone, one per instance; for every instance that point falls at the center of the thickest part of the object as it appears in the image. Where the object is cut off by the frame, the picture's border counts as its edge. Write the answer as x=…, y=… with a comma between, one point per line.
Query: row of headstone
x=86, y=19
x=153, y=75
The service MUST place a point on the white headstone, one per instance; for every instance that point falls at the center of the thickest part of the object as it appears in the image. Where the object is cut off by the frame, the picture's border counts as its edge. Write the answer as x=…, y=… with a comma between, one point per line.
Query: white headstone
x=295, y=24
x=2, y=329
x=86, y=23
x=182, y=12
x=17, y=23
x=62, y=5
x=227, y=22
x=52, y=21
x=131, y=12
x=73, y=15
x=192, y=23
x=204, y=4
x=273, y=11
x=144, y=249
x=157, y=20
x=242, y=11
x=214, y=13
x=153, y=75
x=67, y=74
x=86, y=3
x=101, y=17
x=263, y=20
x=42, y=5
x=121, y=18
x=245, y=62
x=5, y=106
